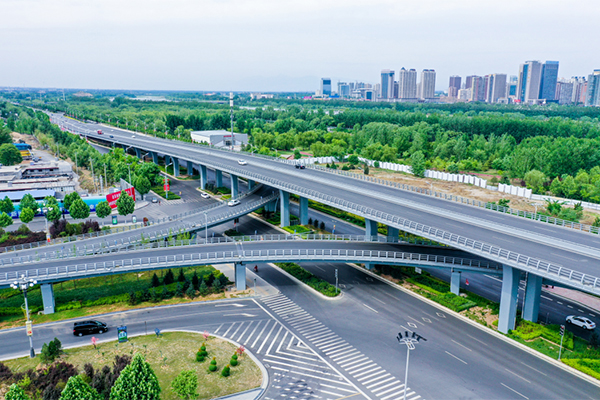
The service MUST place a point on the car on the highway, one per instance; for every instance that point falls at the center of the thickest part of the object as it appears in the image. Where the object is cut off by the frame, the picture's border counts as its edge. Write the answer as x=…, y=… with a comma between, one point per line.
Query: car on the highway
x=154, y=200
x=242, y=162
x=89, y=327
x=233, y=202
x=133, y=136
x=581, y=322
x=111, y=136
x=300, y=166
x=205, y=196
x=99, y=132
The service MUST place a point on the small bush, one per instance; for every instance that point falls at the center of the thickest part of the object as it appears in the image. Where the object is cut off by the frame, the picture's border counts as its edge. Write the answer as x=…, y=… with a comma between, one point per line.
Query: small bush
x=213, y=365
x=199, y=357
x=226, y=371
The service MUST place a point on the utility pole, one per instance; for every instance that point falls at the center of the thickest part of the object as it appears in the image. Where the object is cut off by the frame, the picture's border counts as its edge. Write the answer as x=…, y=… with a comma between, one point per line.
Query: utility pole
x=231, y=114
x=93, y=180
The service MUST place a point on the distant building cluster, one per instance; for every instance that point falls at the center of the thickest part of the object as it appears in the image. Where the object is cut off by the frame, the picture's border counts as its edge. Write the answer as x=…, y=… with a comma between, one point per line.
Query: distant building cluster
x=536, y=83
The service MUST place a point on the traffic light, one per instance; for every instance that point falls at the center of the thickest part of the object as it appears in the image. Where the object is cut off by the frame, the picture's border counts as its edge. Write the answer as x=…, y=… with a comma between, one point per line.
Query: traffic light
x=562, y=330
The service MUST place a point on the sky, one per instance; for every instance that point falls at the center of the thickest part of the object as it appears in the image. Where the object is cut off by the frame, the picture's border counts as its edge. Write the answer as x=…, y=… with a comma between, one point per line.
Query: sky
x=284, y=45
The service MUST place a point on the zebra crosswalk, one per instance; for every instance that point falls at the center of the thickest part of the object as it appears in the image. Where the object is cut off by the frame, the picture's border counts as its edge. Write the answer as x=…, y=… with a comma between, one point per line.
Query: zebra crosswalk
x=371, y=378
x=297, y=372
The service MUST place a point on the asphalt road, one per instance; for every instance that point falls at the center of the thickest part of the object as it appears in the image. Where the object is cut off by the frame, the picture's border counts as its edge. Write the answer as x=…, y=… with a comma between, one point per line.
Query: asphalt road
x=566, y=247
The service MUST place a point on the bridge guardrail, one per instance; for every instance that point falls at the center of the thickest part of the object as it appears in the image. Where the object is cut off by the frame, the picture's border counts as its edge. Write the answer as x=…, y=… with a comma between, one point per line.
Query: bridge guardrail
x=76, y=271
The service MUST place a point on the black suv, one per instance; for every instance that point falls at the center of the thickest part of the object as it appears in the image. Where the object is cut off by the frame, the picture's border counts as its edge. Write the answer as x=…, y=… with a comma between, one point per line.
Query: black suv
x=300, y=166
x=88, y=327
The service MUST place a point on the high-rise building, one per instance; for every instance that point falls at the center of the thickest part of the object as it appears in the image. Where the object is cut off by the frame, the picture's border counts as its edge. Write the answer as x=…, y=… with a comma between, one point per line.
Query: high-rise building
x=464, y=94
x=407, y=84
x=548, y=80
x=528, y=88
x=495, y=87
x=469, y=81
x=427, y=84
x=326, y=86
x=343, y=89
x=511, y=87
x=477, y=88
x=387, y=84
x=454, y=86
x=592, y=97
x=564, y=91
x=579, y=89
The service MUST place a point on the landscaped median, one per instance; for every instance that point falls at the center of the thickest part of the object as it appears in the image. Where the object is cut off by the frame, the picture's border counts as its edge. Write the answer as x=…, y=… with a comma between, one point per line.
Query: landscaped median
x=171, y=357
x=311, y=280
x=576, y=352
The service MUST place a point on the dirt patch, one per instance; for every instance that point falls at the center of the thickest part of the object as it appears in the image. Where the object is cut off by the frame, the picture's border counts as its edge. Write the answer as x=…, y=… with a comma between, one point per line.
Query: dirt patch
x=482, y=315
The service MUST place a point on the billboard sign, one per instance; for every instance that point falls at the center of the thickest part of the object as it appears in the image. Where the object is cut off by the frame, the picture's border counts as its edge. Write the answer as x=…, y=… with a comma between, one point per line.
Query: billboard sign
x=113, y=197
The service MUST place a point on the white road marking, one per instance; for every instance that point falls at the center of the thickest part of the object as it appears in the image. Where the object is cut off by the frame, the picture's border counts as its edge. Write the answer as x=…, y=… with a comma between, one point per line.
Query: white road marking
x=558, y=302
x=529, y=366
x=414, y=319
x=461, y=345
x=375, y=298
x=452, y=355
x=506, y=240
x=474, y=338
x=517, y=375
x=592, y=315
x=570, y=306
x=372, y=309
x=412, y=325
x=581, y=311
x=547, y=298
x=511, y=389
x=568, y=258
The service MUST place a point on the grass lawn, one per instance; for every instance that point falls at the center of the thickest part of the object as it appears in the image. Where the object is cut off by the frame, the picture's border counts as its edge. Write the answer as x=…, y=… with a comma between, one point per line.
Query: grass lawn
x=168, y=356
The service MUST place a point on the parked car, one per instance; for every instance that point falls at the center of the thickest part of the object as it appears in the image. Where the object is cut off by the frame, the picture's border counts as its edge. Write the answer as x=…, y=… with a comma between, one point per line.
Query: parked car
x=205, y=195
x=99, y=132
x=89, y=327
x=242, y=162
x=233, y=202
x=581, y=322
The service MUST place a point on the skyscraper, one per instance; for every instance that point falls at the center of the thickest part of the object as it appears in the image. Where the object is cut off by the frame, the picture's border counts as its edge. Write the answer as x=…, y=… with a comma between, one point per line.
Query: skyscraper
x=407, y=84
x=579, y=89
x=529, y=81
x=454, y=86
x=387, y=84
x=548, y=80
x=477, y=88
x=496, y=88
x=564, y=91
x=592, y=97
x=343, y=89
x=427, y=85
x=326, y=86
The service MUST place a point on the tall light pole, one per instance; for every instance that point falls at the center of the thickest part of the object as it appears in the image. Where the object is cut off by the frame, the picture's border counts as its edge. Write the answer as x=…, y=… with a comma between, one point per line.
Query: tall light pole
x=206, y=227
x=23, y=284
x=231, y=115
x=410, y=342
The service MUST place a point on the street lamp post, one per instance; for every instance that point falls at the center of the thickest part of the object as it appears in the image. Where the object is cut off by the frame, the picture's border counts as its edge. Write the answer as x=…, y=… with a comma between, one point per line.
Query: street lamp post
x=23, y=284
x=410, y=342
x=206, y=226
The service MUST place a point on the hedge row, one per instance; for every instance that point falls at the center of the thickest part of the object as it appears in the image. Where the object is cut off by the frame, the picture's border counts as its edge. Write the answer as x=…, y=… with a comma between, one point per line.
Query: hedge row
x=308, y=278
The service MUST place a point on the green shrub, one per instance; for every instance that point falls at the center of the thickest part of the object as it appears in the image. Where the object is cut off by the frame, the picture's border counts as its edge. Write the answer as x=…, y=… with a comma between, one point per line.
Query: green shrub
x=308, y=278
x=226, y=371
x=199, y=357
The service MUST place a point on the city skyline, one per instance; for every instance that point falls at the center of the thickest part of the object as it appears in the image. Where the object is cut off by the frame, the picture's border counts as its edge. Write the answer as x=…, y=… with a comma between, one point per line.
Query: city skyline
x=233, y=45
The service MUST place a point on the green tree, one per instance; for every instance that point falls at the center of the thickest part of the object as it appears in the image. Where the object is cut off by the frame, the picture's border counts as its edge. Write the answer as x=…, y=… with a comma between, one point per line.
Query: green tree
x=77, y=389
x=103, y=210
x=185, y=385
x=16, y=393
x=136, y=382
x=5, y=220
x=69, y=199
x=142, y=185
x=125, y=204
x=53, y=212
x=26, y=216
x=79, y=210
x=556, y=187
x=417, y=160
x=10, y=155
x=297, y=154
x=535, y=180
x=6, y=205
x=29, y=202
x=353, y=159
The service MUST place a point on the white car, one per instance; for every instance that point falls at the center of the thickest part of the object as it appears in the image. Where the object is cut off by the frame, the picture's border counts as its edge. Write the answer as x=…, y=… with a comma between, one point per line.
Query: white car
x=242, y=162
x=233, y=202
x=581, y=322
x=205, y=196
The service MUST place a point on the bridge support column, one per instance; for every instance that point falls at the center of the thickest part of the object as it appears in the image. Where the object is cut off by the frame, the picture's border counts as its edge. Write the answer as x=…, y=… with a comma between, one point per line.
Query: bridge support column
x=234, y=186
x=271, y=206
x=154, y=157
x=532, y=297
x=251, y=184
x=138, y=153
x=190, y=168
x=284, y=208
x=203, y=177
x=218, y=178
x=370, y=266
x=167, y=161
x=508, y=298
x=48, y=297
x=303, y=211
x=455, y=282
x=370, y=229
x=240, y=276
x=392, y=234
x=175, y=166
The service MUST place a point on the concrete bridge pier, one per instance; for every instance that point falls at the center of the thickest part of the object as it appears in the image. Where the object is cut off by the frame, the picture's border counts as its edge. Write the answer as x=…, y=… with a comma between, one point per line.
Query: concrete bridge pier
x=138, y=152
x=203, y=177
x=234, y=186
x=48, y=298
x=240, y=276
x=303, y=211
x=175, y=166
x=370, y=229
x=455, y=282
x=218, y=178
x=154, y=157
x=370, y=266
x=190, y=168
x=508, y=299
x=271, y=206
x=392, y=234
x=533, y=293
x=251, y=184
x=284, y=207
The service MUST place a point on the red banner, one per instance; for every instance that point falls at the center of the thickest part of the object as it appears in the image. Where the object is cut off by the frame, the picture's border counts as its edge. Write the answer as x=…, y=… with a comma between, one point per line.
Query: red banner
x=166, y=187
x=113, y=197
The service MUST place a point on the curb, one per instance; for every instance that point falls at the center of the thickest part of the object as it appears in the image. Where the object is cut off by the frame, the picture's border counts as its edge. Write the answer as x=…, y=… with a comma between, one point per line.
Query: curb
x=489, y=331
x=571, y=300
x=305, y=285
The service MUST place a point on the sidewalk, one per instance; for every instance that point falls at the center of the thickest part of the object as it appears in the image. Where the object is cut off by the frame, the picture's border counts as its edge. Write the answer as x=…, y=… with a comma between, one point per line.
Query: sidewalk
x=584, y=299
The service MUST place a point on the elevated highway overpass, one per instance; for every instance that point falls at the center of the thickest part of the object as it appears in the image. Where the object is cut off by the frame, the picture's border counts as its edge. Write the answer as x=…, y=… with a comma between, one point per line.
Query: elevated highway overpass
x=564, y=255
